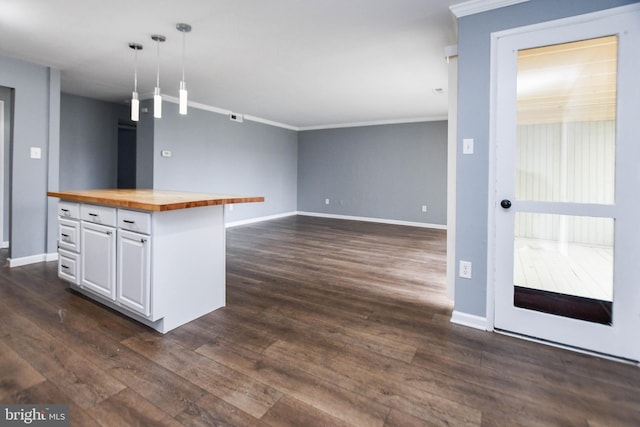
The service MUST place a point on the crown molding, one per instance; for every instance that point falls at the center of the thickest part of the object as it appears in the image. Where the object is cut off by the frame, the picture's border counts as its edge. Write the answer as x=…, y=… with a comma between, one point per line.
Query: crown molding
x=225, y=112
x=376, y=123
x=472, y=7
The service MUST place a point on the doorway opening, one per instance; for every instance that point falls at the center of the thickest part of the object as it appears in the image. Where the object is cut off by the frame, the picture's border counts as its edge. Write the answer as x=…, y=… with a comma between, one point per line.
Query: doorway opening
x=127, y=149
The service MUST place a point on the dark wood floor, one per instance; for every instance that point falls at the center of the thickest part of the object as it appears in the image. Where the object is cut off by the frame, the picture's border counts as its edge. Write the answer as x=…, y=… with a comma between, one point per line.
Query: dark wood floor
x=328, y=323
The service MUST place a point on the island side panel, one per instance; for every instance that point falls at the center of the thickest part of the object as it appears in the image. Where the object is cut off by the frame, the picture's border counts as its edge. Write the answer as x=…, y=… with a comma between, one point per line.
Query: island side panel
x=188, y=264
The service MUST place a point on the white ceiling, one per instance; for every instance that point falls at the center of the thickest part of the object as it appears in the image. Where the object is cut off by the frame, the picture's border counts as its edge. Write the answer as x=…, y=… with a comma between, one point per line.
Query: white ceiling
x=304, y=63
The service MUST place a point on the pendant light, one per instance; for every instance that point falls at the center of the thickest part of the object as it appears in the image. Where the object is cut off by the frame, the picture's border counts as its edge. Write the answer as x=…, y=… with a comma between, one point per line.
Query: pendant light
x=157, y=98
x=184, y=29
x=135, y=101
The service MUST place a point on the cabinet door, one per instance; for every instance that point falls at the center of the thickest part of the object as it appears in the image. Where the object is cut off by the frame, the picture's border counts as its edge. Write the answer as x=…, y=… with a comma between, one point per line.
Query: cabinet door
x=133, y=271
x=98, y=256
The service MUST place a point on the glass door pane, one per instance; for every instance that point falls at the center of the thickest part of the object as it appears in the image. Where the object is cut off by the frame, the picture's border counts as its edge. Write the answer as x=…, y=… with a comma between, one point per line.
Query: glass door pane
x=565, y=153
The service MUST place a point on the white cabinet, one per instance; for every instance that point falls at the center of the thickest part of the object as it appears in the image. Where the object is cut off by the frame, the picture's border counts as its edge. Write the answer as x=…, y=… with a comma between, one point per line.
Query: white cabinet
x=133, y=271
x=98, y=259
x=162, y=268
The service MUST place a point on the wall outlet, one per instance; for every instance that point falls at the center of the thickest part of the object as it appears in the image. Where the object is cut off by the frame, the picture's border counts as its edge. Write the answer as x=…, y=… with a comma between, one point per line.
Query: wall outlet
x=326, y=201
x=465, y=269
x=424, y=208
x=165, y=153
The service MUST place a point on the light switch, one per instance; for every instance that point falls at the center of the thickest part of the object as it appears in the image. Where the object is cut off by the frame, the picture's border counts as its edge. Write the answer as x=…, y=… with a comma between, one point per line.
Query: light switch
x=467, y=146
x=36, y=153
x=165, y=153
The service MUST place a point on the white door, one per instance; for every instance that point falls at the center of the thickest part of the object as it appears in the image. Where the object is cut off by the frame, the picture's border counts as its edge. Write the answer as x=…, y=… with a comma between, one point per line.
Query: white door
x=565, y=205
x=98, y=259
x=133, y=271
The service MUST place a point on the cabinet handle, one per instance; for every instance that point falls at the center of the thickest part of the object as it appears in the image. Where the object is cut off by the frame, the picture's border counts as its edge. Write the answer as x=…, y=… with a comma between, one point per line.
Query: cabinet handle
x=128, y=221
x=92, y=214
x=64, y=235
x=64, y=210
x=108, y=233
x=143, y=240
x=64, y=266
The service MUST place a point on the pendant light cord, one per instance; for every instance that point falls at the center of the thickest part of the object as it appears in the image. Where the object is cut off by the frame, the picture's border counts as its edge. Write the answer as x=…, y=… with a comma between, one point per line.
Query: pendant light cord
x=135, y=70
x=184, y=44
x=158, y=66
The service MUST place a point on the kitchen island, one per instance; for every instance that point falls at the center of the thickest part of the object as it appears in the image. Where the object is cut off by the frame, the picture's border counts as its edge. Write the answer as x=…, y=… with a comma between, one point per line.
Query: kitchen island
x=156, y=256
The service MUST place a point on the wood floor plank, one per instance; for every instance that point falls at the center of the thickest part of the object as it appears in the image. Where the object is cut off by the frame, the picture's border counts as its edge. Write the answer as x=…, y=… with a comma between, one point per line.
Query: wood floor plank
x=210, y=410
x=128, y=408
x=17, y=374
x=326, y=396
x=290, y=412
x=249, y=395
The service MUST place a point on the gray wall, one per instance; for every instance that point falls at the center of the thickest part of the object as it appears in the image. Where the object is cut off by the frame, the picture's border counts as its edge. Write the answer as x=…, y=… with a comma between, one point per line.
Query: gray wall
x=88, y=143
x=34, y=111
x=474, y=36
x=210, y=153
x=385, y=172
x=5, y=96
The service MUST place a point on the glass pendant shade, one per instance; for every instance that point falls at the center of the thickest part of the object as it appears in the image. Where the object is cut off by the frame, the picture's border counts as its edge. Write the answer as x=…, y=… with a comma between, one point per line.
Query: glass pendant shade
x=157, y=103
x=135, y=107
x=183, y=98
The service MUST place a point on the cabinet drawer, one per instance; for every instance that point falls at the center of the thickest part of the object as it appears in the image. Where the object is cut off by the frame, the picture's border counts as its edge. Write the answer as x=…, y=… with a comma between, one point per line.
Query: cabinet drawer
x=68, y=266
x=98, y=214
x=69, y=210
x=140, y=222
x=69, y=234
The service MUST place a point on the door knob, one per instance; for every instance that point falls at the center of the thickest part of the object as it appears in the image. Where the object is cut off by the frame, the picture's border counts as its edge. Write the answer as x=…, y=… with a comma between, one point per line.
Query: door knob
x=506, y=204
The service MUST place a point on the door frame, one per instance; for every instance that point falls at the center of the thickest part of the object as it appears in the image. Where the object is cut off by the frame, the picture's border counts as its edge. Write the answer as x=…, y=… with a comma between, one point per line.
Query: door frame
x=493, y=197
x=2, y=172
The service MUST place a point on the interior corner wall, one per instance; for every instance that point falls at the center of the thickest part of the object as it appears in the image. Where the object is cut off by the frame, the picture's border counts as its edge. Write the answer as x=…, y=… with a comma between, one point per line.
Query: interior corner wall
x=385, y=172
x=31, y=113
x=89, y=143
x=210, y=153
x=474, y=78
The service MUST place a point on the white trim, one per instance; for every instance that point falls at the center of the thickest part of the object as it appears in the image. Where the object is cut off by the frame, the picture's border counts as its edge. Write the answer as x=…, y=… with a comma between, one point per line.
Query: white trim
x=567, y=347
x=452, y=150
x=472, y=7
x=4, y=245
x=259, y=219
x=2, y=169
x=378, y=220
x=376, y=123
x=469, y=320
x=222, y=111
x=33, y=259
x=268, y=122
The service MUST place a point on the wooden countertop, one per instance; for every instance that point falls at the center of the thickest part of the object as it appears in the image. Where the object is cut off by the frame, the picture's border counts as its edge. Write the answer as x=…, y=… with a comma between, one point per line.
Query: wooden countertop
x=151, y=200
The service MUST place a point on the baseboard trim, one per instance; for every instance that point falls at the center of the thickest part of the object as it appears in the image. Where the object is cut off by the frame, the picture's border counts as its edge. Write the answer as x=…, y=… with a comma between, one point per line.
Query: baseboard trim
x=378, y=220
x=259, y=219
x=4, y=245
x=33, y=259
x=469, y=320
